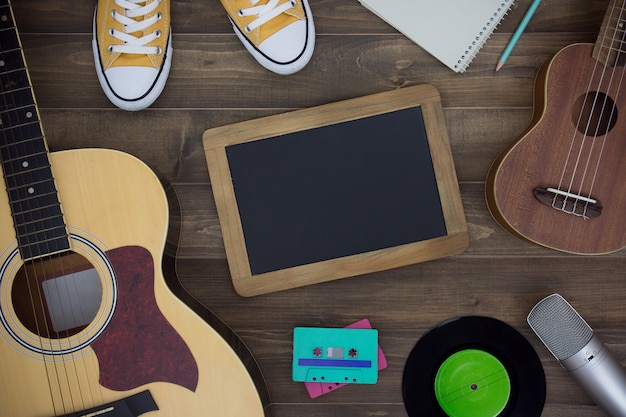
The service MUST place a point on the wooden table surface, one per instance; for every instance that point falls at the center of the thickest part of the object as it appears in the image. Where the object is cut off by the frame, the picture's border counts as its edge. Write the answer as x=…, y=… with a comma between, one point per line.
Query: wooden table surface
x=215, y=82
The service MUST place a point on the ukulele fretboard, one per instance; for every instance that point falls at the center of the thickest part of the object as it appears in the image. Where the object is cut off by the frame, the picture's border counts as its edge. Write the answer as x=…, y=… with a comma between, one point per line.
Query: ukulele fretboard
x=610, y=47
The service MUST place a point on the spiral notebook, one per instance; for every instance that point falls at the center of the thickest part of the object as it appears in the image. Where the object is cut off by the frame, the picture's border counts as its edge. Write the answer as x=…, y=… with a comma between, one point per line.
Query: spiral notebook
x=453, y=31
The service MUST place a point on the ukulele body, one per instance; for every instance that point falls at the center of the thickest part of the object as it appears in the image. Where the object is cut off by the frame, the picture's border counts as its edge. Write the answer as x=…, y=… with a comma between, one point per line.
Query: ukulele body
x=567, y=147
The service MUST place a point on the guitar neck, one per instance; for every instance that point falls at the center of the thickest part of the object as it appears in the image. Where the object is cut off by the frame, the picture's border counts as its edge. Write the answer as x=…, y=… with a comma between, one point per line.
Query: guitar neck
x=37, y=216
x=610, y=46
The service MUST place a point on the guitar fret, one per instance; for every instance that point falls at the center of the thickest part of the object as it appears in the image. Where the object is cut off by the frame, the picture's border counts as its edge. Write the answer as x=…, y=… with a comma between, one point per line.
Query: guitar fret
x=24, y=148
x=9, y=40
x=30, y=191
x=40, y=231
x=16, y=98
x=14, y=80
x=26, y=170
x=7, y=20
x=40, y=203
x=27, y=178
x=15, y=134
x=33, y=161
x=21, y=133
x=39, y=249
x=11, y=61
x=18, y=117
x=45, y=214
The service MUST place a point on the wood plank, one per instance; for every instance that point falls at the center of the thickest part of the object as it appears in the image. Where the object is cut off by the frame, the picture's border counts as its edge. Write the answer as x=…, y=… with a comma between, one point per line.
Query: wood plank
x=331, y=16
x=215, y=71
x=202, y=235
x=476, y=135
x=420, y=296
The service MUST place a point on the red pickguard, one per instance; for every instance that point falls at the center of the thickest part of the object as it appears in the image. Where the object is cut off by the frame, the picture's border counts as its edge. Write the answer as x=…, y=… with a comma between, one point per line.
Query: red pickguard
x=139, y=346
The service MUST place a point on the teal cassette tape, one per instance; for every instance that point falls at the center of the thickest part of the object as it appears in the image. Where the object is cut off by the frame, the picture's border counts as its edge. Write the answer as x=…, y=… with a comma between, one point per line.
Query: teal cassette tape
x=335, y=355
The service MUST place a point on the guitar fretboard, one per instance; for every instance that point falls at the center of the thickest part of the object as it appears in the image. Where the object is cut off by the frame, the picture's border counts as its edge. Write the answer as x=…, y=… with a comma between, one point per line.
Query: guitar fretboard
x=37, y=217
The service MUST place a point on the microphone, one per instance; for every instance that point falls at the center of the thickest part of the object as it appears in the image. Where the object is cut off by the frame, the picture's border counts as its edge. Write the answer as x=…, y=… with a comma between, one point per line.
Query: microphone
x=572, y=342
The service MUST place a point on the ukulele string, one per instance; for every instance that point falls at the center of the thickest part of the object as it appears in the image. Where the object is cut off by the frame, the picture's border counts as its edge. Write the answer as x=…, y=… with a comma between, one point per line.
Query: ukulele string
x=578, y=151
x=618, y=34
x=35, y=278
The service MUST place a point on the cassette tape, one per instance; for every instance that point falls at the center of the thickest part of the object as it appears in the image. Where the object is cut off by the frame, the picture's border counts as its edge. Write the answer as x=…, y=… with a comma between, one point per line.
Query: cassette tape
x=345, y=355
x=317, y=389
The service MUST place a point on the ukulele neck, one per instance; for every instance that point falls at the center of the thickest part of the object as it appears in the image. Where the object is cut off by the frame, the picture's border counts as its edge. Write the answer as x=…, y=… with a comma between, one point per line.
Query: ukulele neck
x=610, y=46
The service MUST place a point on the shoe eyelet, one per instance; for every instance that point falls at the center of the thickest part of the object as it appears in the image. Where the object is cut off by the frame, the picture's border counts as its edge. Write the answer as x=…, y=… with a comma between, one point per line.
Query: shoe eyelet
x=157, y=33
x=112, y=32
x=247, y=29
x=293, y=3
x=110, y=49
x=240, y=13
x=159, y=50
x=113, y=13
x=159, y=15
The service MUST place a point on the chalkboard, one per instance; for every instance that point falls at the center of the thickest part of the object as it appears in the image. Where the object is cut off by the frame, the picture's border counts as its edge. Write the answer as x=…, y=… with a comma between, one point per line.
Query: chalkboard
x=334, y=191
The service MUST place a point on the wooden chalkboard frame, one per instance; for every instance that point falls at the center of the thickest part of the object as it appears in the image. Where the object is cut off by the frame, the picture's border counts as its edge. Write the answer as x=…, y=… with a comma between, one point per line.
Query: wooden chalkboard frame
x=216, y=141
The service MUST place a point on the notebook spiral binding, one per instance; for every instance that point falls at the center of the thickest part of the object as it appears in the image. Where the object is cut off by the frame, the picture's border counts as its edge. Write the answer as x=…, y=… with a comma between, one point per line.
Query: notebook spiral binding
x=483, y=35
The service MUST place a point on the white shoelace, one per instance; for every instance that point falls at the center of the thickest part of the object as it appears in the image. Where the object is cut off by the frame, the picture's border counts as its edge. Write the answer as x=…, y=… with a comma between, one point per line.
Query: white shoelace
x=133, y=44
x=265, y=12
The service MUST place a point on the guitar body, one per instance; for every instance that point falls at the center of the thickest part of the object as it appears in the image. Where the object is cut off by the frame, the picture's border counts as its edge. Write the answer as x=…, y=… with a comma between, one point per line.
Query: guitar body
x=566, y=151
x=139, y=336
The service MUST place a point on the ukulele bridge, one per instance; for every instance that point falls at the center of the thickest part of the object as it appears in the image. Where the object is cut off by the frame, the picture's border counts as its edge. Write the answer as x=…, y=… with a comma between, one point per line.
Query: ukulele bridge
x=568, y=202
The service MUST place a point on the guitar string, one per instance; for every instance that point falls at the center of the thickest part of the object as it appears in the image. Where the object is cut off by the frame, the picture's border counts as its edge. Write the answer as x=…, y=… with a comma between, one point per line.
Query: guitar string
x=68, y=369
x=6, y=107
x=58, y=370
x=585, y=132
x=41, y=328
x=39, y=331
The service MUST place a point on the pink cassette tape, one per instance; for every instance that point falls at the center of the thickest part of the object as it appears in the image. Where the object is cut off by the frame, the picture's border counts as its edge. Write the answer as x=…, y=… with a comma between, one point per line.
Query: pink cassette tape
x=316, y=389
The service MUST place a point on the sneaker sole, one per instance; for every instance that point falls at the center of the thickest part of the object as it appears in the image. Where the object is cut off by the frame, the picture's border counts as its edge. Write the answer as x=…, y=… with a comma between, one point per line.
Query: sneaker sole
x=153, y=93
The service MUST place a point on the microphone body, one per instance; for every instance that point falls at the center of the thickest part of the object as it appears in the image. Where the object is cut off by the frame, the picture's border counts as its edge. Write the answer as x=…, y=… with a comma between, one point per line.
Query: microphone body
x=581, y=353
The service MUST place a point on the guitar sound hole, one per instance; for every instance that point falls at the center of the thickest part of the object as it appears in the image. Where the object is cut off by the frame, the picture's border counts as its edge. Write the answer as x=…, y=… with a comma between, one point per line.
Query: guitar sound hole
x=594, y=114
x=58, y=296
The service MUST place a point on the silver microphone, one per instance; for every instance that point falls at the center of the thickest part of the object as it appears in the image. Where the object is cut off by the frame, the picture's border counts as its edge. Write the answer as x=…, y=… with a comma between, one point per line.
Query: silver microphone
x=572, y=342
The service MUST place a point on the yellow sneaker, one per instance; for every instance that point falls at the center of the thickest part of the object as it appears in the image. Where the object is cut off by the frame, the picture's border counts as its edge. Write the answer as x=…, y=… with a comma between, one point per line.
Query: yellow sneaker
x=132, y=47
x=279, y=34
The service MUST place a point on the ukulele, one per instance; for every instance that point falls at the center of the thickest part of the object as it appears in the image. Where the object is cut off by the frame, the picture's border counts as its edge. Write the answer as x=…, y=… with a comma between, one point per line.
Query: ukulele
x=89, y=326
x=562, y=184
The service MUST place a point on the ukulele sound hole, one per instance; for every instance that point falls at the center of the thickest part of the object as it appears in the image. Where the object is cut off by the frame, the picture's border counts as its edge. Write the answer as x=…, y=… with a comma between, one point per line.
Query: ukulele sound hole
x=594, y=114
x=57, y=297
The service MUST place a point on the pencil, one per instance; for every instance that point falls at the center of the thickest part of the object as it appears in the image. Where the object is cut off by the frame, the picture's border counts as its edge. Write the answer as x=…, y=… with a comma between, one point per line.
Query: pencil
x=517, y=34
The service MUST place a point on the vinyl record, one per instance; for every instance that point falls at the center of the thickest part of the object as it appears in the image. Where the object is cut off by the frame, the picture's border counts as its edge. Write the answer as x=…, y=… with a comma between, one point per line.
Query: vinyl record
x=473, y=367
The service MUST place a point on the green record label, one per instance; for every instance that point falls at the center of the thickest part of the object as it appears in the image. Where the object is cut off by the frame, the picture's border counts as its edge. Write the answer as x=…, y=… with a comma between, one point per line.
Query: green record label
x=472, y=383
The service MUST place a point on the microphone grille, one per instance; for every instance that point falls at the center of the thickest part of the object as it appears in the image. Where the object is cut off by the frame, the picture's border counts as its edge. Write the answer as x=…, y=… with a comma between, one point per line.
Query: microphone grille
x=559, y=326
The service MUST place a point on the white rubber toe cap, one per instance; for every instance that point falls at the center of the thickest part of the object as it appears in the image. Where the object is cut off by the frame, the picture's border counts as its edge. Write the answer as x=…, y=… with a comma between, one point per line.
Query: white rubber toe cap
x=131, y=83
x=287, y=45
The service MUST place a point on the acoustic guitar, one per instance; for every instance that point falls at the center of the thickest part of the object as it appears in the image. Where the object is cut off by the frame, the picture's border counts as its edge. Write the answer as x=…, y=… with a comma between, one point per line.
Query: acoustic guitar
x=89, y=326
x=562, y=184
